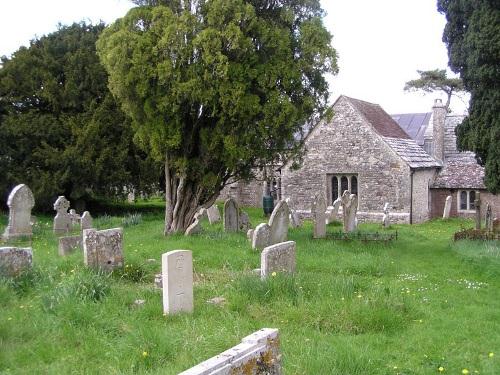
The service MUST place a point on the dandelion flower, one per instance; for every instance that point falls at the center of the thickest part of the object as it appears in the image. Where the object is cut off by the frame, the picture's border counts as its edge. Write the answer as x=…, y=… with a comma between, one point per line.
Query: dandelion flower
x=145, y=354
x=440, y=368
x=491, y=355
x=465, y=371
x=273, y=274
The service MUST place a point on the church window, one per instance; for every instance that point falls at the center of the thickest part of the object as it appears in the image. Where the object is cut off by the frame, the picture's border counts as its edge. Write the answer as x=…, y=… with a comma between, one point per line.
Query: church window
x=466, y=200
x=335, y=188
x=344, y=184
x=338, y=183
x=354, y=185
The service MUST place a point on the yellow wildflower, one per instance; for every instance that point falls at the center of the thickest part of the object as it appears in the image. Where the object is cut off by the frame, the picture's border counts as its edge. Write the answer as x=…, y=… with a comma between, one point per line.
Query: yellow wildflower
x=491, y=355
x=145, y=354
x=440, y=368
x=273, y=274
x=465, y=371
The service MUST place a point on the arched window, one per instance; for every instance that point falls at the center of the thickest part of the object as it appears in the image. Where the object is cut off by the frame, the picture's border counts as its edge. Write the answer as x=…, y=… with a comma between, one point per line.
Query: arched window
x=463, y=200
x=354, y=185
x=335, y=188
x=344, y=184
x=472, y=198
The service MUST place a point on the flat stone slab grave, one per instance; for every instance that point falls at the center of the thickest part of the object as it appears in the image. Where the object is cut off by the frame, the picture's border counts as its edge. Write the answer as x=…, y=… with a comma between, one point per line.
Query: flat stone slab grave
x=177, y=281
x=277, y=258
x=103, y=249
x=15, y=260
x=258, y=353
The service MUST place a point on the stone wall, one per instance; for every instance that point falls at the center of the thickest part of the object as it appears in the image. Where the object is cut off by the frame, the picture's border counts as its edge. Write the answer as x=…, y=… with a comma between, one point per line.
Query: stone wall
x=422, y=179
x=349, y=145
x=438, y=197
x=245, y=193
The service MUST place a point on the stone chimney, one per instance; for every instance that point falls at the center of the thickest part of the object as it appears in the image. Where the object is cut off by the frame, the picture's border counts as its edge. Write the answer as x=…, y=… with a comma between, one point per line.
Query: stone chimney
x=438, y=118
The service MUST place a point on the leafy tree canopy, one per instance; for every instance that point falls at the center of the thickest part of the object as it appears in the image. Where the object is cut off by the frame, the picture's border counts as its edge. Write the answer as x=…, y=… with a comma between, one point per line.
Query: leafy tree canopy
x=436, y=80
x=472, y=35
x=61, y=131
x=217, y=88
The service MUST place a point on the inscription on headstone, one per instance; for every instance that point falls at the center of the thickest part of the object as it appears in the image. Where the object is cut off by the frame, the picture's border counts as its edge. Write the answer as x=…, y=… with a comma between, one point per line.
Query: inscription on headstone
x=177, y=280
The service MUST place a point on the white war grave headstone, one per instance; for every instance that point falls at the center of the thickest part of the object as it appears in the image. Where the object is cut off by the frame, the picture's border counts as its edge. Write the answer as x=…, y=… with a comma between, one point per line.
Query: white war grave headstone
x=349, y=209
x=231, y=216
x=177, y=280
x=318, y=211
x=62, y=220
x=20, y=203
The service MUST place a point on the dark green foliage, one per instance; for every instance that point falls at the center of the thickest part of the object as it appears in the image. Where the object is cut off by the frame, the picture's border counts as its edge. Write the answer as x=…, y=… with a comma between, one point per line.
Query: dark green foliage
x=61, y=131
x=218, y=90
x=472, y=35
x=436, y=80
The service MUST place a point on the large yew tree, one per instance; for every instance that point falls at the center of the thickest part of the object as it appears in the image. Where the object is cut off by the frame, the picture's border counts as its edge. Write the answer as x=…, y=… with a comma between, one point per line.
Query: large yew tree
x=472, y=34
x=217, y=88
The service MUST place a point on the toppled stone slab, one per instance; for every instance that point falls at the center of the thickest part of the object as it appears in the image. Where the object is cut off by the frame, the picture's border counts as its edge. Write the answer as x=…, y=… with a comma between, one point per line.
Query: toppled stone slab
x=217, y=301
x=69, y=244
x=277, y=258
x=103, y=249
x=158, y=281
x=15, y=260
x=258, y=354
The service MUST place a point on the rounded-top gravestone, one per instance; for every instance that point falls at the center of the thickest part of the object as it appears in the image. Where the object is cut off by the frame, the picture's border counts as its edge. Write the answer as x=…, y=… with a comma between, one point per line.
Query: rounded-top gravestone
x=20, y=203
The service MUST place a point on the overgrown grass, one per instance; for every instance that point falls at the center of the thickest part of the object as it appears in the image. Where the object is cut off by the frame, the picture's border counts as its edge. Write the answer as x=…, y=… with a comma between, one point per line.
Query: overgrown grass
x=407, y=307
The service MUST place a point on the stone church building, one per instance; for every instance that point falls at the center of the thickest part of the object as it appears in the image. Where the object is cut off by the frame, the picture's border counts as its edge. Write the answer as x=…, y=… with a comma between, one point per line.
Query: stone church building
x=408, y=160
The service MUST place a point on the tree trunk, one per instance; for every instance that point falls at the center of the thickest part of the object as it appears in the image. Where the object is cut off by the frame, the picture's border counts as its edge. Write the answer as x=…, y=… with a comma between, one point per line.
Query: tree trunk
x=183, y=198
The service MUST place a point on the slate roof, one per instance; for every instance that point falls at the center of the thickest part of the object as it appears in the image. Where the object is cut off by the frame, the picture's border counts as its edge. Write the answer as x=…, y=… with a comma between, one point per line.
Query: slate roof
x=383, y=124
x=461, y=170
x=394, y=136
x=412, y=153
x=415, y=124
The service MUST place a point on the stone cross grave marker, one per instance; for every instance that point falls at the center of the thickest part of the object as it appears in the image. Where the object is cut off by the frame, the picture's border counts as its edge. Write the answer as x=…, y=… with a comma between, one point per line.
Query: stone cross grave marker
x=74, y=219
x=62, y=221
x=15, y=260
x=177, y=280
x=349, y=209
x=278, y=223
x=385, y=219
x=86, y=221
x=213, y=214
x=279, y=257
x=318, y=211
x=447, y=207
x=231, y=216
x=103, y=249
x=20, y=203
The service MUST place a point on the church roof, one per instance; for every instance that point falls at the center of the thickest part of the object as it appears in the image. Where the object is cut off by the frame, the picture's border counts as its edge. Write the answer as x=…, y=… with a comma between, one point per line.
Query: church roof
x=382, y=122
x=412, y=153
x=402, y=144
x=415, y=124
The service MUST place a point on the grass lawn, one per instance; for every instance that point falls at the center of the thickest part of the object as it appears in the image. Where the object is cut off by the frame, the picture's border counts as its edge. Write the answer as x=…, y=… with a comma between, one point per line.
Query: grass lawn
x=409, y=307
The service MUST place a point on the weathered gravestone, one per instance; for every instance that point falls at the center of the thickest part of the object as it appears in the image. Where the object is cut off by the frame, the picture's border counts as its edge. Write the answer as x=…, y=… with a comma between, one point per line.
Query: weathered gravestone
x=277, y=258
x=258, y=354
x=231, y=216
x=15, y=260
x=349, y=209
x=62, y=221
x=318, y=211
x=488, y=222
x=194, y=228
x=250, y=234
x=386, y=222
x=295, y=221
x=244, y=221
x=20, y=203
x=131, y=197
x=177, y=281
x=86, y=221
x=447, y=207
x=103, y=249
x=260, y=237
x=69, y=244
x=278, y=223
x=333, y=211
x=213, y=214
x=477, y=205
x=74, y=219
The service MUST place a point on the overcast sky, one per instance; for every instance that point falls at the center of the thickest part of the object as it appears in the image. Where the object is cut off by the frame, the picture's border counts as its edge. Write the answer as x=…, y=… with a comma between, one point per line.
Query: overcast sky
x=380, y=44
